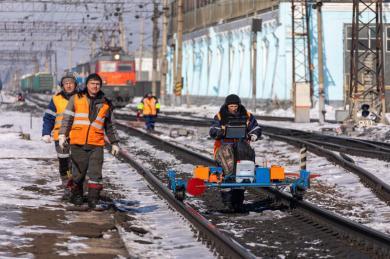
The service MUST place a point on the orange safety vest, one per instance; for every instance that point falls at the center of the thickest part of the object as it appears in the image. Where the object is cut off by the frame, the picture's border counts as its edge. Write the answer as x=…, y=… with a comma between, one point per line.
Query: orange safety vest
x=150, y=106
x=83, y=130
x=60, y=103
x=218, y=142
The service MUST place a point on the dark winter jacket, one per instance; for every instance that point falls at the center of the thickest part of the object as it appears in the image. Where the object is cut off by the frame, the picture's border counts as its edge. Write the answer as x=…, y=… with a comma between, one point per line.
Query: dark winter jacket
x=224, y=117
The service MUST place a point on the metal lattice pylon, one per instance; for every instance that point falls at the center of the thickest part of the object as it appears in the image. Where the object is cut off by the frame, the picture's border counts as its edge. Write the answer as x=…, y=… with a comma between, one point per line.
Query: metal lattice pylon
x=301, y=65
x=367, y=79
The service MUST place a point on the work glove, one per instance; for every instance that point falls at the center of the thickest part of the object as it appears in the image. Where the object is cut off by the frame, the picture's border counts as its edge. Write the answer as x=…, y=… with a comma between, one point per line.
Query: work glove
x=216, y=133
x=253, y=137
x=221, y=133
x=46, y=138
x=62, y=141
x=114, y=150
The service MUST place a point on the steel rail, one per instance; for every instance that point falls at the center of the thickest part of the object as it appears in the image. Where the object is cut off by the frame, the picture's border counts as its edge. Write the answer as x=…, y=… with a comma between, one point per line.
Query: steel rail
x=216, y=240
x=258, y=117
x=379, y=187
x=378, y=241
x=381, y=155
x=366, y=148
x=351, y=142
x=225, y=246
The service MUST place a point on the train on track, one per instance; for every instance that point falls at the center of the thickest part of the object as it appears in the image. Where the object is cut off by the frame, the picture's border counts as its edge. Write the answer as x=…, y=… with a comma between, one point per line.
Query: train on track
x=116, y=68
x=41, y=82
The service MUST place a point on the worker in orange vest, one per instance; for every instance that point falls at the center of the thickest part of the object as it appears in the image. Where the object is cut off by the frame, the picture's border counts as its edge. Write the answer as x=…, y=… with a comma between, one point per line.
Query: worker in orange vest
x=232, y=111
x=150, y=107
x=52, y=121
x=87, y=118
x=228, y=149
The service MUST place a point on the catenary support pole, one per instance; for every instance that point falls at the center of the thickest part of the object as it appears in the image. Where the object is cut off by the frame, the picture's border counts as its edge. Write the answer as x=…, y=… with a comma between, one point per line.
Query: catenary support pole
x=164, y=65
x=321, y=92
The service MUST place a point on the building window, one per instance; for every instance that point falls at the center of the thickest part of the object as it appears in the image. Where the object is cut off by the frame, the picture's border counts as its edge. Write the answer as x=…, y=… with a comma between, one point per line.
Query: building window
x=367, y=38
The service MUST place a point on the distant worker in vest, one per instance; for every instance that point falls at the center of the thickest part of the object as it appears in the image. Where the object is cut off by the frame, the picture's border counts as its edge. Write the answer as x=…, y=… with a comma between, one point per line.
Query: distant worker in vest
x=52, y=120
x=87, y=118
x=150, y=107
x=231, y=146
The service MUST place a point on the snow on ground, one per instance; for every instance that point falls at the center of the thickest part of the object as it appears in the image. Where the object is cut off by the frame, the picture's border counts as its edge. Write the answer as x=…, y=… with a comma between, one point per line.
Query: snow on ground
x=334, y=189
x=18, y=171
x=169, y=235
x=379, y=132
x=210, y=110
x=24, y=162
x=7, y=98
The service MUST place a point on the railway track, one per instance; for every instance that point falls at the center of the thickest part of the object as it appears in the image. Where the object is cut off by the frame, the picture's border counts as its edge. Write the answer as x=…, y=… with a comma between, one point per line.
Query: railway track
x=377, y=242
x=374, y=242
x=214, y=239
x=358, y=147
x=316, y=143
x=319, y=145
x=258, y=117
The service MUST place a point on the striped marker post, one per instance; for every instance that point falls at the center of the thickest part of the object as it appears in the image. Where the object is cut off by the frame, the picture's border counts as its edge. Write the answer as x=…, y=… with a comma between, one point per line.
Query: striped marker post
x=303, y=157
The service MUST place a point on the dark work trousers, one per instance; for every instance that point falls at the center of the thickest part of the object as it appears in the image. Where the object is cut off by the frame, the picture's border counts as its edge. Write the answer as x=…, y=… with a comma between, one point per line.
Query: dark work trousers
x=149, y=121
x=65, y=163
x=87, y=160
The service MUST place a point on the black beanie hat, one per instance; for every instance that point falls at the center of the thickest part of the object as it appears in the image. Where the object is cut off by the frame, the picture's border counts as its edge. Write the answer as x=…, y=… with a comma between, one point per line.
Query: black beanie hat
x=96, y=77
x=232, y=99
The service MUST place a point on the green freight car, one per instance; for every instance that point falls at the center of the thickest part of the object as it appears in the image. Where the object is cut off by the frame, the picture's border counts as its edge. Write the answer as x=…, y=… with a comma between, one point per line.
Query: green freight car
x=42, y=83
x=38, y=83
x=26, y=82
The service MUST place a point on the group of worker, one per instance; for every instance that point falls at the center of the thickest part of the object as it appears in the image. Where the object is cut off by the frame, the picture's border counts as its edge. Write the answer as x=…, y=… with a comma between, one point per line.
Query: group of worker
x=78, y=120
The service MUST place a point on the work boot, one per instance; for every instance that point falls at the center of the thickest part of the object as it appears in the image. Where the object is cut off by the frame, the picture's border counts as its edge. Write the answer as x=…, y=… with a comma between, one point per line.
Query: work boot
x=93, y=197
x=226, y=197
x=237, y=198
x=66, y=195
x=66, y=186
x=77, y=195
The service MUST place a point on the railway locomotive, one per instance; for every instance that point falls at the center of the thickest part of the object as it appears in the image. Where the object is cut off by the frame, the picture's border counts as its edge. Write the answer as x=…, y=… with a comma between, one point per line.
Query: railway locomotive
x=245, y=174
x=116, y=68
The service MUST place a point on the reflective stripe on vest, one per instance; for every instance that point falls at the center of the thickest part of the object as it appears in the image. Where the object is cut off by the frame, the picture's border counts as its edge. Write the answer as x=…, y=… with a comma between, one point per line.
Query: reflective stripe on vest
x=83, y=130
x=60, y=103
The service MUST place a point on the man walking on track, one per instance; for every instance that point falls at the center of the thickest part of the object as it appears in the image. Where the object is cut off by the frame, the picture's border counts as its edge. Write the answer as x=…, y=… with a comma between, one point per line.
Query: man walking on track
x=87, y=118
x=52, y=121
x=150, y=107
